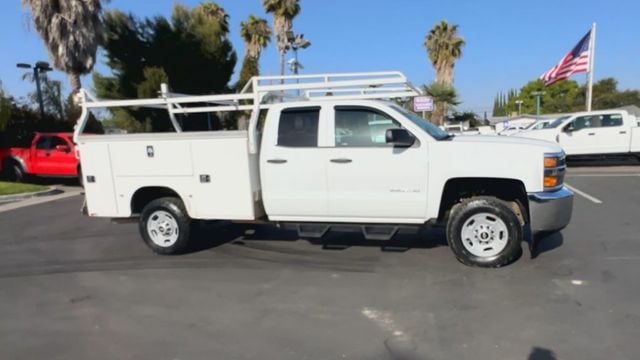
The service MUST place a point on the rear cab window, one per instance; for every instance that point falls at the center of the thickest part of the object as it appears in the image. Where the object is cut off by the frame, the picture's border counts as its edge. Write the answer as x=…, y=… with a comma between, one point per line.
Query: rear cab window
x=298, y=127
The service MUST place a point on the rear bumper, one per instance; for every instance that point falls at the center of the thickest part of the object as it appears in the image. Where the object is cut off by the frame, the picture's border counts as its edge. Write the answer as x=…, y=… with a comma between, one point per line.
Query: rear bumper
x=550, y=211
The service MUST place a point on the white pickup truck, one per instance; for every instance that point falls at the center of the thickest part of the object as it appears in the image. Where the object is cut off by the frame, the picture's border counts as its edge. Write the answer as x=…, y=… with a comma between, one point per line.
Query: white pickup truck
x=333, y=157
x=594, y=133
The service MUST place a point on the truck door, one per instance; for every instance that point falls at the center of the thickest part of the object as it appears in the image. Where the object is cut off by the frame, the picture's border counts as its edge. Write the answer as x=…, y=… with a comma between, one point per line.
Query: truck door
x=370, y=180
x=40, y=154
x=62, y=160
x=579, y=136
x=293, y=166
x=613, y=135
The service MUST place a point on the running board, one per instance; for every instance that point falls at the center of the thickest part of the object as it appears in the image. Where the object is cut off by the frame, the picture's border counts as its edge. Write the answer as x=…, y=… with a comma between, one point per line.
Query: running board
x=370, y=232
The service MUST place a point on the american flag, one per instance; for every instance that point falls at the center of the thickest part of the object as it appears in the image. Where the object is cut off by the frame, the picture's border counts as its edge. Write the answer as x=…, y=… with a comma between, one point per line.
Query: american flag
x=576, y=61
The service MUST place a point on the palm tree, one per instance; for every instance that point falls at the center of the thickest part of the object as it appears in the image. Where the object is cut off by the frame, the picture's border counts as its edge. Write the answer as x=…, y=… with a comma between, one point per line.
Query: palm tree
x=444, y=46
x=71, y=31
x=212, y=10
x=256, y=34
x=443, y=96
x=283, y=13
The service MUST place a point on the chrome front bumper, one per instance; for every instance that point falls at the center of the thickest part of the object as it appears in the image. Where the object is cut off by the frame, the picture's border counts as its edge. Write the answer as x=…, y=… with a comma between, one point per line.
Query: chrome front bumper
x=550, y=211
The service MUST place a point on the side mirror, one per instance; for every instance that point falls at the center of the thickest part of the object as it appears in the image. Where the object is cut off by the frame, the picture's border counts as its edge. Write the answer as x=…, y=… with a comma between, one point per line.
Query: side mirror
x=569, y=128
x=399, y=137
x=63, y=148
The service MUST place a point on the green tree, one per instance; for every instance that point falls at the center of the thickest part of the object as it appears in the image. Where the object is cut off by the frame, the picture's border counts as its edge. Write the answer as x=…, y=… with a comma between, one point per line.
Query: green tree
x=71, y=31
x=560, y=97
x=444, y=47
x=256, y=34
x=607, y=96
x=52, y=98
x=191, y=51
x=443, y=96
x=5, y=108
x=283, y=11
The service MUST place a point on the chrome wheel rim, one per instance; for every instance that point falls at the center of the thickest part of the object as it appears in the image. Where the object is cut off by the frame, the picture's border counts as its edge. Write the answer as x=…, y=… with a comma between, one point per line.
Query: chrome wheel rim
x=162, y=228
x=484, y=235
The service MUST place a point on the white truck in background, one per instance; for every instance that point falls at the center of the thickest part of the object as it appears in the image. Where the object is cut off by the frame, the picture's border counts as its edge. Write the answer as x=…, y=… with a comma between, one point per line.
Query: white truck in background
x=328, y=155
x=595, y=133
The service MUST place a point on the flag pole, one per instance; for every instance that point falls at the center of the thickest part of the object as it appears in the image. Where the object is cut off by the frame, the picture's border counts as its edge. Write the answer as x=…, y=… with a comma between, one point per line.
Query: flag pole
x=592, y=53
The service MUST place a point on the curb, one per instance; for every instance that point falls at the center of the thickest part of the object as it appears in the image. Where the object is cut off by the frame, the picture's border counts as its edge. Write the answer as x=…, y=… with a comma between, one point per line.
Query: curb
x=18, y=197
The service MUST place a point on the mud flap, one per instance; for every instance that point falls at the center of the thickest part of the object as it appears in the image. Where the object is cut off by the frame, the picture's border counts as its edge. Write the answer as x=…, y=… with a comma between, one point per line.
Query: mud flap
x=84, y=209
x=531, y=241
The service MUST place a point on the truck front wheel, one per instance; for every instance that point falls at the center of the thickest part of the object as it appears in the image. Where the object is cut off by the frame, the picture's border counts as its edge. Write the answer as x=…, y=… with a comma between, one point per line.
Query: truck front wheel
x=484, y=231
x=165, y=226
x=13, y=171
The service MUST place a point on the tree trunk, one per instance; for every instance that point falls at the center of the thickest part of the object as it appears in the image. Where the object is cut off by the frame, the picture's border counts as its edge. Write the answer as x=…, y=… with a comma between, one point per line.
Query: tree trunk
x=76, y=85
x=74, y=79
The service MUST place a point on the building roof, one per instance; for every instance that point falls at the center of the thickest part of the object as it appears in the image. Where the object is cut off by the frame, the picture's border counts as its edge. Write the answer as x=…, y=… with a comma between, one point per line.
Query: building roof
x=632, y=109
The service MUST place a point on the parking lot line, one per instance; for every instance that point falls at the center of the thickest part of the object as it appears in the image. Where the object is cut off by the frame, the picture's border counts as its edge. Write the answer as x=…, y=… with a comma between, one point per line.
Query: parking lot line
x=603, y=175
x=584, y=194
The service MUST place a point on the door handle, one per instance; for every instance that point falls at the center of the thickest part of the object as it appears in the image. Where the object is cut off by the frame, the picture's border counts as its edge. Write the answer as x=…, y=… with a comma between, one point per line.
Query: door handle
x=622, y=132
x=277, y=161
x=591, y=134
x=341, y=161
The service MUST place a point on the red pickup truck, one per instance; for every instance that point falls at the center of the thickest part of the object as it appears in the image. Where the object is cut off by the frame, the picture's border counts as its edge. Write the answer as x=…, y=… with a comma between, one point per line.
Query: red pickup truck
x=50, y=155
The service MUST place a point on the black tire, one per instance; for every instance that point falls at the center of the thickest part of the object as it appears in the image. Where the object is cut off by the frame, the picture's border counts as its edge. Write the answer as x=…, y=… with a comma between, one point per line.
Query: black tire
x=80, y=178
x=175, y=210
x=13, y=171
x=489, y=209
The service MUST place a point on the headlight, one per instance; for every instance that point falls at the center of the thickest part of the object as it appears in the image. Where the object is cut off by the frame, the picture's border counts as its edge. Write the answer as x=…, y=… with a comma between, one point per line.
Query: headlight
x=554, y=168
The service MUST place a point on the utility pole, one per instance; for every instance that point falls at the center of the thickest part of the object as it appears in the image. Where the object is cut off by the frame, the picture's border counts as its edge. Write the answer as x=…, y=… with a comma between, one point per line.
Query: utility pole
x=39, y=67
x=538, y=95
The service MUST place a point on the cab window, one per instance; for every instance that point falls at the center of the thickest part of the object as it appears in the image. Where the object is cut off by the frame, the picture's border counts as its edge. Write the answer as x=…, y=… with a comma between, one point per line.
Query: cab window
x=43, y=143
x=56, y=140
x=299, y=127
x=362, y=127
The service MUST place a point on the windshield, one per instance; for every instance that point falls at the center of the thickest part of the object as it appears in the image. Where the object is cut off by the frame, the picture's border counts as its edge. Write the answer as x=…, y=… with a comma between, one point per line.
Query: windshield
x=555, y=123
x=425, y=125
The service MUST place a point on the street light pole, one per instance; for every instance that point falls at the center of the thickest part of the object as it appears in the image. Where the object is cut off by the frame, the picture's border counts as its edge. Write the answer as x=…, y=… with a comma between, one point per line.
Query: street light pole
x=519, y=103
x=538, y=95
x=39, y=67
x=295, y=42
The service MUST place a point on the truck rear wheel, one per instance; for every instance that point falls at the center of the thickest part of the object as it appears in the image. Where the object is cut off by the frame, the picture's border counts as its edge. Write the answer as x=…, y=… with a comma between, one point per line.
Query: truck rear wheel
x=485, y=232
x=165, y=226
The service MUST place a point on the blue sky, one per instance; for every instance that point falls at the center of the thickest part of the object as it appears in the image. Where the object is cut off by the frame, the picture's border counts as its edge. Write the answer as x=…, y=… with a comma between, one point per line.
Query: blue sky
x=508, y=41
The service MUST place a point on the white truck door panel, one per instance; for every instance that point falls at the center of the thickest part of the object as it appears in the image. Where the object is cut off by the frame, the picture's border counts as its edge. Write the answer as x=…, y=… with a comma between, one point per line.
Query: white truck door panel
x=100, y=187
x=292, y=166
x=578, y=142
x=222, y=187
x=152, y=158
x=613, y=135
x=368, y=178
x=377, y=182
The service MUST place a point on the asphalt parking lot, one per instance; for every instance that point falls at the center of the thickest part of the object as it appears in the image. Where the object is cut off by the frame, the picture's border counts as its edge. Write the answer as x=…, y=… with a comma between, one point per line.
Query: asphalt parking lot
x=72, y=287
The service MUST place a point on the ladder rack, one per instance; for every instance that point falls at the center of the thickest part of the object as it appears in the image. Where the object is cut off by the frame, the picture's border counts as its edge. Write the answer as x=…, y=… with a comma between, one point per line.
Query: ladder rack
x=261, y=92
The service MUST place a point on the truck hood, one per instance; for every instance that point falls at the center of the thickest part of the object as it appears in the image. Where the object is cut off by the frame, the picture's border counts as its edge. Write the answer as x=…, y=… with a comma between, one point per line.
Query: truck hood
x=542, y=134
x=544, y=145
